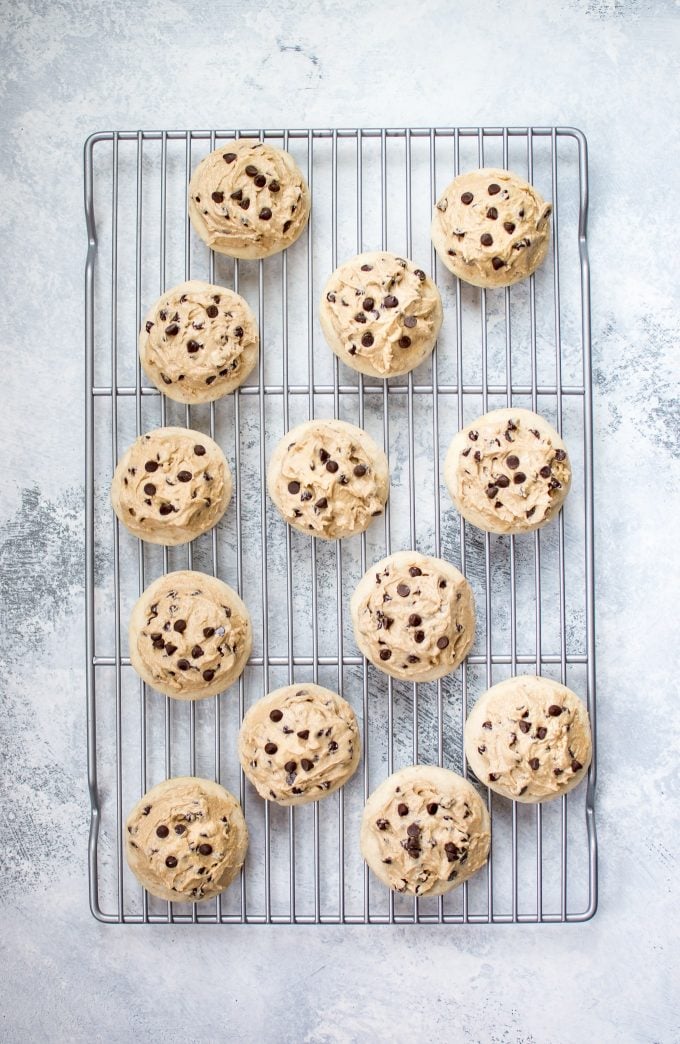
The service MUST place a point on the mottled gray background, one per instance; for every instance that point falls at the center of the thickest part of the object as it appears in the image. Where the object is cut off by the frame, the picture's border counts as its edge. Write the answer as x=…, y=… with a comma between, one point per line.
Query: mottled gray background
x=68, y=68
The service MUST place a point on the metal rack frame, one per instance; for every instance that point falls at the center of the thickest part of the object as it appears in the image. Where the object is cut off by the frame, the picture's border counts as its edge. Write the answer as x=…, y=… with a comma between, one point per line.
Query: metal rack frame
x=309, y=905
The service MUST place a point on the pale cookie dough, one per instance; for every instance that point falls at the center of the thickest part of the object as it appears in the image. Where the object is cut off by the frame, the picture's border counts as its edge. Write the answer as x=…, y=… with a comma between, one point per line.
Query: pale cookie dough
x=186, y=839
x=528, y=739
x=299, y=744
x=380, y=314
x=190, y=635
x=414, y=616
x=508, y=471
x=328, y=478
x=248, y=199
x=491, y=228
x=198, y=342
x=425, y=830
x=171, y=485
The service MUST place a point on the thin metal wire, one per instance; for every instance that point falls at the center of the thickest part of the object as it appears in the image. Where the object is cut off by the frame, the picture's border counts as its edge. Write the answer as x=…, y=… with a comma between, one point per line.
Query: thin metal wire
x=419, y=144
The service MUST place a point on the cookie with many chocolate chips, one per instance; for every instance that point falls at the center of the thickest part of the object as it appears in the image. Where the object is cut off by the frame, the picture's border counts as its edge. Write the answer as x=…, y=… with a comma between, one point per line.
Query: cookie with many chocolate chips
x=248, y=199
x=171, y=485
x=299, y=744
x=414, y=616
x=425, y=830
x=190, y=635
x=186, y=839
x=491, y=228
x=528, y=738
x=328, y=478
x=198, y=342
x=508, y=471
x=380, y=314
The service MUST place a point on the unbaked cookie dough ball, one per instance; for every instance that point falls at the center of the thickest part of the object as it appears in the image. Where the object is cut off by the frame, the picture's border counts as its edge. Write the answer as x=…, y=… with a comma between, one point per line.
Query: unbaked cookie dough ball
x=248, y=199
x=380, y=314
x=414, y=616
x=528, y=738
x=299, y=744
x=190, y=635
x=186, y=839
x=491, y=228
x=425, y=830
x=171, y=485
x=328, y=479
x=508, y=471
x=198, y=342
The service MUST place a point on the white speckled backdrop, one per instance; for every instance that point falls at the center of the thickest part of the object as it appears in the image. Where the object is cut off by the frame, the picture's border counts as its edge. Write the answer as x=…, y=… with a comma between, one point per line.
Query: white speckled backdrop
x=68, y=68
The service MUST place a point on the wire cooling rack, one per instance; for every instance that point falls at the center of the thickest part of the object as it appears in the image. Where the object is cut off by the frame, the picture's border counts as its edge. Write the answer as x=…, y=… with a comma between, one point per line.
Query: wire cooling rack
x=528, y=345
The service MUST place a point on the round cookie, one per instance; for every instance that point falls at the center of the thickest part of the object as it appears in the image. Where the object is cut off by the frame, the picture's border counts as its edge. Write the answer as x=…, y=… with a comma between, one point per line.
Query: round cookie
x=248, y=199
x=491, y=228
x=171, y=485
x=413, y=616
x=328, y=478
x=198, y=342
x=528, y=738
x=299, y=744
x=186, y=839
x=380, y=314
x=190, y=635
x=508, y=471
x=425, y=830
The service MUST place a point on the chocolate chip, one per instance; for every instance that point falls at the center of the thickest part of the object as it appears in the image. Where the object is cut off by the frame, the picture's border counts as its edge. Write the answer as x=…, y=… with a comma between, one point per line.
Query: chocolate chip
x=306, y=764
x=286, y=225
x=530, y=512
x=293, y=487
x=467, y=198
x=273, y=185
x=385, y=654
x=497, y=263
x=332, y=746
x=228, y=157
x=492, y=214
x=180, y=828
x=332, y=466
x=487, y=725
x=251, y=171
x=321, y=503
x=238, y=195
x=330, y=297
x=509, y=227
x=519, y=477
x=491, y=492
x=410, y=321
x=147, y=809
x=545, y=471
x=171, y=862
x=265, y=214
x=486, y=239
x=151, y=465
x=260, y=181
x=473, y=435
x=184, y=476
x=205, y=849
x=404, y=342
x=199, y=450
x=360, y=317
x=360, y=470
x=390, y=301
x=290, y=766
x=244, y=204
x=170, y=649
x=368, y=304
x=560, y=455
x=493, y=776
x=208, y=675
x=402, y=809
x=218, y=197
x=196, y=652
x=149, y=489
x=270, y=748
x=419, y=637
x=180, y=626
x=554, y=484
x=451, y=851
x=534, y=763
x=493, y=189
x=525, y=726
x=503, y=481
x=413, y=830
x=541, y=732
x=183, y=665
x=367, y=268
x=442, y=642
x=172, y=329
x=554, y=711
x=432, y=808
x=512, y=461
x=166, y=509
x=162, y=830
x=414, y=620
x=481, y=749
x=381, y=824
x=421, y=275
x=192, y=347
x=576, y=766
